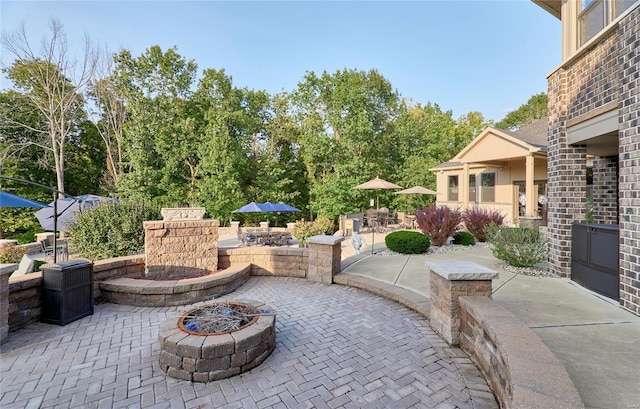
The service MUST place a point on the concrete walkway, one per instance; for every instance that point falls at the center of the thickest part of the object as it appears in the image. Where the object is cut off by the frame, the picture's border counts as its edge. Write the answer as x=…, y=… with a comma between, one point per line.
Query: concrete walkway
x=596, y=340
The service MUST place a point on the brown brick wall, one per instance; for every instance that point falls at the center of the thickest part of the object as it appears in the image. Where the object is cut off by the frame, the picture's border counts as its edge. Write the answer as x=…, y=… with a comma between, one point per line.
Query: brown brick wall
x=567, y=180
x=629, y=148
x=605, y=190
x=606, y=73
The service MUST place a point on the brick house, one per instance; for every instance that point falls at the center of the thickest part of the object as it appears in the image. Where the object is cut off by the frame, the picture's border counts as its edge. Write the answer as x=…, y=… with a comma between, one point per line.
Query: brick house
x=499, y=171
x=594, y=109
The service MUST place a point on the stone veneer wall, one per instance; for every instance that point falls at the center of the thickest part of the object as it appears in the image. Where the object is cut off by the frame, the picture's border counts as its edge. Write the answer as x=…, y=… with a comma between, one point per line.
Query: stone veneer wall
x=24, y=291
x=521, y=370
x=178, y=249
x=4, y=302
x=267, y=261
x=600, y=78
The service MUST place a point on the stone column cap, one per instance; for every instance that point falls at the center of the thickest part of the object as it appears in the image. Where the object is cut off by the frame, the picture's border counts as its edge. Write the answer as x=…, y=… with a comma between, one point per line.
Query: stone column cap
x=461, y=270
x=8, y=268
x=324, y=239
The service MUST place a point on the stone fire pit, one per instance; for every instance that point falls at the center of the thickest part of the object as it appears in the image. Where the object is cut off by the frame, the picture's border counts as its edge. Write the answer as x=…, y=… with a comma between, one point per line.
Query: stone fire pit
x=217, y=340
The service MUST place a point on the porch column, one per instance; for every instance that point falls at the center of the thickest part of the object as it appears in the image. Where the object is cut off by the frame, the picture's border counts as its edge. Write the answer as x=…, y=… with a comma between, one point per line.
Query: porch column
x=531, y=209
x=464, y=187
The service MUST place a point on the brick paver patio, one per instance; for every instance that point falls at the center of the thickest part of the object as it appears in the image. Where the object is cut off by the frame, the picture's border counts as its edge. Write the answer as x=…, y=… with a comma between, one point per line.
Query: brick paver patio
x=337, y=347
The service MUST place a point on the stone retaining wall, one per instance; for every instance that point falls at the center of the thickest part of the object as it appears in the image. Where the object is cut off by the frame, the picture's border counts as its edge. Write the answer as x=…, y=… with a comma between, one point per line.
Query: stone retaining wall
x=267, y=261
x=152, y=293
x=521, y=370
x=24, y=291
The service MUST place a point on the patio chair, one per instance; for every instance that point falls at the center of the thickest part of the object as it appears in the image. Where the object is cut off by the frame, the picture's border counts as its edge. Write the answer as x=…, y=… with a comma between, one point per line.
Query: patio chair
x=48, y=249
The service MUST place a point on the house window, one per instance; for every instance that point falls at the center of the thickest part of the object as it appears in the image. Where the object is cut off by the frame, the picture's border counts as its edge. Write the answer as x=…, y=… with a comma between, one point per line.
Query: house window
x=595, y=15
x=472, y=189
x=488, y=187
x=452, y=191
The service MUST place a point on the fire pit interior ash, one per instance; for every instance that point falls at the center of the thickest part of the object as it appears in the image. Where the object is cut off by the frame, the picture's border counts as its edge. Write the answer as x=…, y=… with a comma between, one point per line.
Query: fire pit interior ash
x=219, y=318
x=217, y=341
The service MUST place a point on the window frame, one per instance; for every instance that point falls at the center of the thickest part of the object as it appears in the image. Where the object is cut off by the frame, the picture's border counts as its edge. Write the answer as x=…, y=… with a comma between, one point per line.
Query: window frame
x=473, y=188
x=611, y=10
x=484, y=190
x=453, y=189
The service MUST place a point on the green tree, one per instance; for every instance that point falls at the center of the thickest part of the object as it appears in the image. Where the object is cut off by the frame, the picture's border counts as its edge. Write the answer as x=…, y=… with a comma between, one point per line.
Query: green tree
x=21, y=157
x=535, y=108
x=343, y=117
x=160, y=139
x=425, y=137
x=220, y=185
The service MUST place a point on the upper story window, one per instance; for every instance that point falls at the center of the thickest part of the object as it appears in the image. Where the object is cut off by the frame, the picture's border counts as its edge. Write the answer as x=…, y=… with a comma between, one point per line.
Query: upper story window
x=452, y=190
x=595, y=15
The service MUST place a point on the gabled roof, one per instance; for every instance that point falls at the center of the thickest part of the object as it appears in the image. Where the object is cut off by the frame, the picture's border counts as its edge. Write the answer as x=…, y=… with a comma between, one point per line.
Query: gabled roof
x=498, y=144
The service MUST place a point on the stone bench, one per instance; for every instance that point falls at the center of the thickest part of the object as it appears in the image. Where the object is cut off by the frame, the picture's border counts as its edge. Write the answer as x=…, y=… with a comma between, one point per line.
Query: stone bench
x=156, y=293
x=521, y=370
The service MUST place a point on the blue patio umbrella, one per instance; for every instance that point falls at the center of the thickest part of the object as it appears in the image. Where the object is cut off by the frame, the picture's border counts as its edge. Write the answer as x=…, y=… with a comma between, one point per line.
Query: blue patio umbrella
x=286, y=208
x=11, y=200
x=266, y=207
x=252, y=207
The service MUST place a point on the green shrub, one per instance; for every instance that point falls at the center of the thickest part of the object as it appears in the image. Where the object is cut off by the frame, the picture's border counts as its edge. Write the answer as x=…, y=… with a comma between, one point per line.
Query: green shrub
x=477, y=219
x=111, y=230
x=9, y=253
x=438, y=223
x=464, y=238
x=303, y=229
x=407, y=242
x=518, y=246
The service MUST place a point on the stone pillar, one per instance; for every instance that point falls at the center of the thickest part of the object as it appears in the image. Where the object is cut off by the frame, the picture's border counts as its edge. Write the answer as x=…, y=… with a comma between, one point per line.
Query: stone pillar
x=325, y=256
x=264, y=225
x=235, y=227
x=5, y=272
x=178, y=249
x=290, y=226
x=449, y=280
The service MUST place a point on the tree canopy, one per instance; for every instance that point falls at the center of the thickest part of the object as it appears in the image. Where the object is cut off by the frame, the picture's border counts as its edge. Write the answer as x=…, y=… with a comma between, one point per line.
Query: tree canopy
x=153, y=127
x=535, y=108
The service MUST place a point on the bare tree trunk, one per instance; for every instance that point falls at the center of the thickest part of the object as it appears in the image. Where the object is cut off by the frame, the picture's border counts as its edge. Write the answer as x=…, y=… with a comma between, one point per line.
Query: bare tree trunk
x=54, y=83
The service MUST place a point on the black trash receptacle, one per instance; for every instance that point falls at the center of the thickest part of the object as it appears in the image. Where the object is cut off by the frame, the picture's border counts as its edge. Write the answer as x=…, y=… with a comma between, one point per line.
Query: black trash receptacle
x=67, y=291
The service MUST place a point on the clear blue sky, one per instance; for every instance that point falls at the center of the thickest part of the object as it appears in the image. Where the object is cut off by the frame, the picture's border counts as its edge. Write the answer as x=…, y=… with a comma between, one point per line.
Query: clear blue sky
x=487, y=56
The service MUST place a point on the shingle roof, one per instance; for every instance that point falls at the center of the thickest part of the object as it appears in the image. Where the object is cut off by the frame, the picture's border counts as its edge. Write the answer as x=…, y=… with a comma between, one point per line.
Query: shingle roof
x=447, y=165
x=534, y=134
